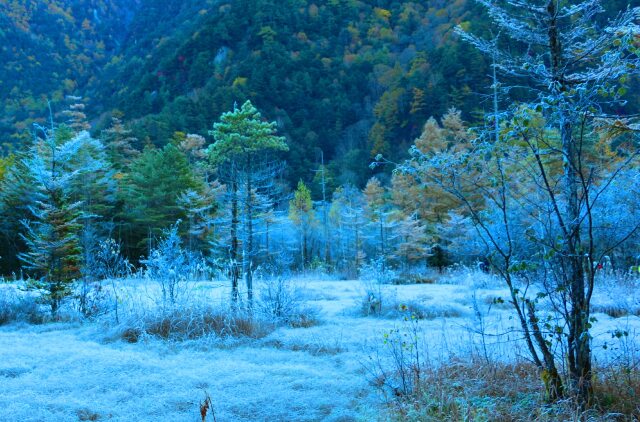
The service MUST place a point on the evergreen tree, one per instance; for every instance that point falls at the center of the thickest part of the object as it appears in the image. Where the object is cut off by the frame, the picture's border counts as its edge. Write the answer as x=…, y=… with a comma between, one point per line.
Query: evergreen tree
x=152, y=190
x=119, y=144
x=242, y=139
x=53, y=252
x=17, y=194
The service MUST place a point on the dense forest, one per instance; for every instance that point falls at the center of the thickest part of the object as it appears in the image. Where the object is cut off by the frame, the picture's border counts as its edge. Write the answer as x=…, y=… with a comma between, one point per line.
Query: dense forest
x=343, y=80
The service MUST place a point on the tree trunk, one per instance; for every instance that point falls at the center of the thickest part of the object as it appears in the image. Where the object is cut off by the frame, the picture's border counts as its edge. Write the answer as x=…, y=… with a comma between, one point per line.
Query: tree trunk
x=578, y=340
x=248, y=258
x=233, y=253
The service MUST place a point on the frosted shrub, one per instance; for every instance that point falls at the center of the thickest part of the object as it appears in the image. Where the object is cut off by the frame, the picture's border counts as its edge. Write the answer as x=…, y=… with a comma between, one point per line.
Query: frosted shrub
x=182, y=323
x=397, y=367
x=171, y=266
x=18, y=306
x=375, y=275
x=108, y=262
x=281, y=302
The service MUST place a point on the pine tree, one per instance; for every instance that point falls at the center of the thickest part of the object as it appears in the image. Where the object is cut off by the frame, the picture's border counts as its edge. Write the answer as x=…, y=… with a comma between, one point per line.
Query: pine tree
x=152, y=190
x=17, y=194
x=242, y=139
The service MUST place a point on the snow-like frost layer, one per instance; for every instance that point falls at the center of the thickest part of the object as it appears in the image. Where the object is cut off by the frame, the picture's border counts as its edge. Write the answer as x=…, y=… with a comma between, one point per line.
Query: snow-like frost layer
x=59, y=372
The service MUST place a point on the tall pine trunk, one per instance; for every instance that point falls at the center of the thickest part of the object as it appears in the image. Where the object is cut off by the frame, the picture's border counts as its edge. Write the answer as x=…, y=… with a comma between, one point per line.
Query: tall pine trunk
x=235, y=221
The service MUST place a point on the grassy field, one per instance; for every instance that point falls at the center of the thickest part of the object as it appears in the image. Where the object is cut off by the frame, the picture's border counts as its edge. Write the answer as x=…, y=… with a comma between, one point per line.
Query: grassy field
x=332, y=357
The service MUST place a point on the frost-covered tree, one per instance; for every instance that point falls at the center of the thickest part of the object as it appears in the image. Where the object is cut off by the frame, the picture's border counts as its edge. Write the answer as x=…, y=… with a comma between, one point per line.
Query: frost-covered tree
x=576, y=71
x=382, y=226
x=94, y=187
x=199, y=208
x=53, y=254
x=169, y=264
x=347, y=219
x=242, y=141
x=109, y=264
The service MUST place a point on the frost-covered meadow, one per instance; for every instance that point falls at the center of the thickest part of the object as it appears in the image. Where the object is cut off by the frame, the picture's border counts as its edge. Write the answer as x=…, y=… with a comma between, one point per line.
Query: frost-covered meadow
x=330, y=366
x=333, y=210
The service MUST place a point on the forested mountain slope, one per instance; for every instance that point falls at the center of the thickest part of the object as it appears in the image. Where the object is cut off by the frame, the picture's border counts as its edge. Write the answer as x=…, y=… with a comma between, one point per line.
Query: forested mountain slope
x=50, y=49
x=348, y=77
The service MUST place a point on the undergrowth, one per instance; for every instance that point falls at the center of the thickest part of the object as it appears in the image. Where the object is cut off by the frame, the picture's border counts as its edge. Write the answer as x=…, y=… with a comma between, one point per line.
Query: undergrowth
x=189, y=323
x=479, y=391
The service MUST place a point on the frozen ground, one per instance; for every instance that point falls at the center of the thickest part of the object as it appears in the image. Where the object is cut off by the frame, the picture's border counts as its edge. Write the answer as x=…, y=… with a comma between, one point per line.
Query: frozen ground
x=73, y=371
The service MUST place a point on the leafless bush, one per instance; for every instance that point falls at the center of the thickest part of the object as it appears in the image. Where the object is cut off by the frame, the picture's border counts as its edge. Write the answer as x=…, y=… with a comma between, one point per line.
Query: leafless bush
x=282, y=303
x=397, y=367
x=375, y=276
x=172, y=266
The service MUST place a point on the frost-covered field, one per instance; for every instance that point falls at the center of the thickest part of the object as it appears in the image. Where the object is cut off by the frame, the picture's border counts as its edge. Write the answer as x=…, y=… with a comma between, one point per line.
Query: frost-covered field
x=86, y=371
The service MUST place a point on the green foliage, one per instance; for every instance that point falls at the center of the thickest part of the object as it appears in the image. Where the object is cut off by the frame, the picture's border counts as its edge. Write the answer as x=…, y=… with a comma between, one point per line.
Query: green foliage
x=152, y=189
x=341, y=76
x=301, y=206
x=5, y=164
x=302, y=214
x=241, y=134
x=16, y=196
x=53, y=251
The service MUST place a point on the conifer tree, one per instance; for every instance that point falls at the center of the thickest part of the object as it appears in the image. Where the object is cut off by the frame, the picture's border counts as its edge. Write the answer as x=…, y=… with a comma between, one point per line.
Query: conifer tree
x=152, y=190
x=346, y=216
x=119, y=145
x=242, y=139
x=17, y=194
x=378, y=212
x=199, y=208
x=51, y=235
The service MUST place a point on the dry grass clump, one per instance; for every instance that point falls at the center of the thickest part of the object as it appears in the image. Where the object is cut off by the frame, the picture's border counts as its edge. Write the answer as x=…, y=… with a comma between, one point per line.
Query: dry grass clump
x=477, y=391
x=615, y=310
x=15, y=308
x=416, y=278
x=87, y=415
x=617, y=391
x=305, y=318
x=311, y=348
x=189, y=323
